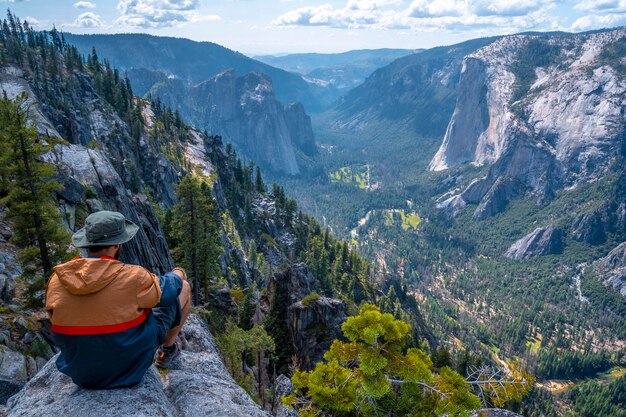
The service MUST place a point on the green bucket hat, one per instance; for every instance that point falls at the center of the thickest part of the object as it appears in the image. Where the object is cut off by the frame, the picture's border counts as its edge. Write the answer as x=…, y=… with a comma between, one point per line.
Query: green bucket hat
x=105, y=228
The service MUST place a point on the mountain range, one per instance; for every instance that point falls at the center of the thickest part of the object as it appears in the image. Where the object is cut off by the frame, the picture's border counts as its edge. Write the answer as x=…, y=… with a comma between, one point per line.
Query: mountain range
x=485, y=182
x=338, y=72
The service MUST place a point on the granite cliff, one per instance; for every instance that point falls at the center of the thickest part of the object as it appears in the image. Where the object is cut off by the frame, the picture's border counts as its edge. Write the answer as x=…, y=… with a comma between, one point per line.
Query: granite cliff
x=197, y=384
x=245, y=111
x=543, y=112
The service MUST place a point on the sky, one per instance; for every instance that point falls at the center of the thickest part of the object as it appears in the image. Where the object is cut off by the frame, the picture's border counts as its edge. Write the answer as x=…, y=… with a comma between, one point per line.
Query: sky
x=257, y=27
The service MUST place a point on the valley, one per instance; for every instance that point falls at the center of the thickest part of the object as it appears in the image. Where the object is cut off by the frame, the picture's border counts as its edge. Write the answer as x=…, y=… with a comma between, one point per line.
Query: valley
x=533, y=309
x=471, y=197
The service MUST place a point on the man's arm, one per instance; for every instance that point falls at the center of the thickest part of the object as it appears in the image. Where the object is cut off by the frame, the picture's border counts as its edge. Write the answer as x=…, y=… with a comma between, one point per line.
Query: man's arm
x=171, y=285
x=159, y=291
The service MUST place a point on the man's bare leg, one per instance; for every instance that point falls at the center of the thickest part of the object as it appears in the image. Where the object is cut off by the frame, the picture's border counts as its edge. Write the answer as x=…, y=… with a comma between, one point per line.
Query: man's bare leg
x=185, y=303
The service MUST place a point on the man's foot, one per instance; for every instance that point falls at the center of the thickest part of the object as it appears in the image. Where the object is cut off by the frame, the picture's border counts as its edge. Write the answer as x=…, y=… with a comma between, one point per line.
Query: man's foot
x=165, y=355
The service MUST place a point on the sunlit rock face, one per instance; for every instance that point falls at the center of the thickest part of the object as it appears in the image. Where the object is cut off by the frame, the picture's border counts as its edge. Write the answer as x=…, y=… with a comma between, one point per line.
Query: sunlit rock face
x=565, y=130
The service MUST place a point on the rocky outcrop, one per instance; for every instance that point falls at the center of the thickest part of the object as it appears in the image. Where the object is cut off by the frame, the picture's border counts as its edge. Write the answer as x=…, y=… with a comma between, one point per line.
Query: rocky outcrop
x=198, y=384
x=453, y=206
x=313, y=321
x=300, y=130
x=296, y=281
x=284, y=387
x=497, y=198
x=314, y=326
x=13, y=373
x=612, y=269
x=564, y=131
x=86, y=169
x=541, y=241
x=591, y=227
x=245, y=111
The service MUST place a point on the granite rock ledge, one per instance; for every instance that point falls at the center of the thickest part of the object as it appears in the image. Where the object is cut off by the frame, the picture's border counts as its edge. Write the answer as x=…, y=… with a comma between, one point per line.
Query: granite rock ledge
x=197, y=384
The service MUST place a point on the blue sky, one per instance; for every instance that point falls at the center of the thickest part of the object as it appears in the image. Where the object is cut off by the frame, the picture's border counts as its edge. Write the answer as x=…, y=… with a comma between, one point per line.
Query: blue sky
x=280, y=26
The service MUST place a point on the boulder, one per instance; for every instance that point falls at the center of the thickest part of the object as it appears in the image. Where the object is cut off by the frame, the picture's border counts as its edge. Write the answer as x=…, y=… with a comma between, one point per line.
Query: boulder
x=13, y=373
x=539, y=242
x=197, y=384
x=7, y=288
x=284, y=387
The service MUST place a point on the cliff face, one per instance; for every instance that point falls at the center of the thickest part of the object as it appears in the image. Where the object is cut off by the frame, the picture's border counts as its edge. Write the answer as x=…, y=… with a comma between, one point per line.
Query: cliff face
x=245, y=111
x=566, y=129
x=197, y=384
x=91, y=181
x=313, y=324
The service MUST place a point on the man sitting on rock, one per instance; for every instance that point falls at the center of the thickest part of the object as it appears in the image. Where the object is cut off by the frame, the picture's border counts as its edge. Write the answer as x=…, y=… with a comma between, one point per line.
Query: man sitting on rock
x=108, y=317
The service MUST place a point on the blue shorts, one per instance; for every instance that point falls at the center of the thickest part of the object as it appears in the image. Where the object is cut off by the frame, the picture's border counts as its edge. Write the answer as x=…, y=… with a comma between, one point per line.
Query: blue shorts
x=167, y=318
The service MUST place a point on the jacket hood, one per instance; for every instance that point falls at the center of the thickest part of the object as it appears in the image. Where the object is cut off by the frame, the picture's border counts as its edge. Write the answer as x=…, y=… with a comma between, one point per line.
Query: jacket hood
x=87, y=275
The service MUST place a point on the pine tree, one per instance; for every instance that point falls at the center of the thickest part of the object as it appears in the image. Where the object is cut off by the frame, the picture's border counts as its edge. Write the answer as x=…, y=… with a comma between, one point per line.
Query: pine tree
x=248, y=307
x=260, y=186
x=194, y=229
x=372, y=374
x=29, y=187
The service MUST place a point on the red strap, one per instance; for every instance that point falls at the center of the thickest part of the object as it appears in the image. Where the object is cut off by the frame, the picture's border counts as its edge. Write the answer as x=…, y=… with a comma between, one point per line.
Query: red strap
x=104, y=329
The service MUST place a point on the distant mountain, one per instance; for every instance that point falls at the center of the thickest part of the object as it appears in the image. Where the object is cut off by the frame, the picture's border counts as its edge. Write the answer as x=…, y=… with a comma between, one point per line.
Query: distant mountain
x=543, y=112
x=419, y=90
x=307, y=62
x=245, y=110
x=337, y=72
x=192, y=62
x=198, y=79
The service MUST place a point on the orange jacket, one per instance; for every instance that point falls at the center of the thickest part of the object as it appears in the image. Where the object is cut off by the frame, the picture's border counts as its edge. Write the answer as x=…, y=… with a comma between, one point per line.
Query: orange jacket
x=100, y=309
x=99, y=296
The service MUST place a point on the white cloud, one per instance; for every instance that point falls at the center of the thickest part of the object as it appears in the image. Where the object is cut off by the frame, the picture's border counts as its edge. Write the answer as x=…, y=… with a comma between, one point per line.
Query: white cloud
x=595, y=21
x=84, y=5
x=426, y=15
x=160, y=13
x=437, y=8
x=601, y=6
x=32, y=21
x=356, y=14
x=87, y=20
